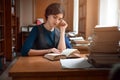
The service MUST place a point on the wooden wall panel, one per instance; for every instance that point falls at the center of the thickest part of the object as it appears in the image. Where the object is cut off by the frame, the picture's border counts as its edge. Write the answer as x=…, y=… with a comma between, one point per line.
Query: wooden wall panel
x=68, y=4
x=88, y=17
x=40, y=6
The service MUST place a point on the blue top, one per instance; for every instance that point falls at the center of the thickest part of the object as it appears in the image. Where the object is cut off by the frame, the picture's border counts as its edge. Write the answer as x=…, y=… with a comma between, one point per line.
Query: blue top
x=49, y=37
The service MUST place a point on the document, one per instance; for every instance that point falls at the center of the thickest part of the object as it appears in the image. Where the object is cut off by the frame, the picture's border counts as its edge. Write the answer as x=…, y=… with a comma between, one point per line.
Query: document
x=75, y=63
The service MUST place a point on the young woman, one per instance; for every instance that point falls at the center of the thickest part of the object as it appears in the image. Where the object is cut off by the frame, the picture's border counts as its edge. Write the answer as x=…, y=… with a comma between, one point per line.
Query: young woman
x=47, y=37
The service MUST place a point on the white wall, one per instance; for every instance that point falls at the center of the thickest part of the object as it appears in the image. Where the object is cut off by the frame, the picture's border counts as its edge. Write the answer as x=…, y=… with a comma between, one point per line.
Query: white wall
x=26, y=12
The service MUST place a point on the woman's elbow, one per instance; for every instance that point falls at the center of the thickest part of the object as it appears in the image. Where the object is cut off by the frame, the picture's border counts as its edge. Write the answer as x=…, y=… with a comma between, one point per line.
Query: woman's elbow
x=24, y=52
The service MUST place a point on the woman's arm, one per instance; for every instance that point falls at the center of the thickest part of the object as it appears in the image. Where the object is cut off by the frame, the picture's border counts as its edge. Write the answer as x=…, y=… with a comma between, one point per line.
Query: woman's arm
x=28, y=44
x=42, y=52
x=62, y=45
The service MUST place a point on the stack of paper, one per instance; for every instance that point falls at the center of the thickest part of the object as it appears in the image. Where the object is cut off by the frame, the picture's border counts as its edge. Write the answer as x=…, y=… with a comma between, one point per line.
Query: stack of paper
x=77, y=38
x=75, y=63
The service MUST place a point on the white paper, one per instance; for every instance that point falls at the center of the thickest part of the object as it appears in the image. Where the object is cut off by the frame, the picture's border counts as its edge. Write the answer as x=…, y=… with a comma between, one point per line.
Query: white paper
x=77, y=38
x=75, y=63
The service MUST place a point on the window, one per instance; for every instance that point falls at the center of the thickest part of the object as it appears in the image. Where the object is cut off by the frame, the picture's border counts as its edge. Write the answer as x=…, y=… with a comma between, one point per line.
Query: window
x=75, y=18
x=119, y=15
x=109, y=14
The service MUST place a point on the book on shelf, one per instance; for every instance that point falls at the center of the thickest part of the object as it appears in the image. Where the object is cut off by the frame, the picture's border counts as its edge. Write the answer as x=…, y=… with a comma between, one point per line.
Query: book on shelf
x=67, y=53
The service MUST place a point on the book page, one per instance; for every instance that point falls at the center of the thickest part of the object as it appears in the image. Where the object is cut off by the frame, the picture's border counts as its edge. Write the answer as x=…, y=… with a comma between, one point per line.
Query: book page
x=75, y=63
x=67, y=52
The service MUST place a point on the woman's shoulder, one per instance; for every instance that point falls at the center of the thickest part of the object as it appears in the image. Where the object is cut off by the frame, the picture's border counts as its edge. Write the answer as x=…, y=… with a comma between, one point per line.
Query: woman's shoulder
x=40, y=26
x=37, y=27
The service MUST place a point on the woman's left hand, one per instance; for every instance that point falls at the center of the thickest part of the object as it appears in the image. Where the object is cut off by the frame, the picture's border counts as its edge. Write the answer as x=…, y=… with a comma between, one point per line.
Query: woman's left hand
x=63, y=25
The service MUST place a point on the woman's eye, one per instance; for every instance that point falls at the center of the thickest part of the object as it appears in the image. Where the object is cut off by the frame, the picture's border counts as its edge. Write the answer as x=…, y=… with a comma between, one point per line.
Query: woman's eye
x=60, y=19
x=55, y=17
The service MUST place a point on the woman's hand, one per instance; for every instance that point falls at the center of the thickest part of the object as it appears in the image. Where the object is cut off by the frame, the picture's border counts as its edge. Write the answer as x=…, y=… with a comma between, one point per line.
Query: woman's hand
x=63, y=25
x=54, y=50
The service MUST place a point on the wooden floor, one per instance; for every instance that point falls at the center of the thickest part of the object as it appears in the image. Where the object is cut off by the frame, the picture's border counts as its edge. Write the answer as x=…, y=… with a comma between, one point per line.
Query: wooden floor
x=4, y=75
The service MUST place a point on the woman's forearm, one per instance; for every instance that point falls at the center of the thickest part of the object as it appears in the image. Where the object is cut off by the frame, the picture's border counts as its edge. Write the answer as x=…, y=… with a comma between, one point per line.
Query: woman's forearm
x=33, y=52
x=63, y=25
x=62, y=45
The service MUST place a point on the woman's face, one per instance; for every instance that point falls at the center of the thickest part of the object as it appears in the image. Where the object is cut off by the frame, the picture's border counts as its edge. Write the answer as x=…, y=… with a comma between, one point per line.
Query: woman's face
x=54, y=20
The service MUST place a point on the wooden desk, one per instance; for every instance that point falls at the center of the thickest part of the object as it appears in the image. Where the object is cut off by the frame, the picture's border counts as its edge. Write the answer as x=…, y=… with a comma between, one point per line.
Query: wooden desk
x=38, y=68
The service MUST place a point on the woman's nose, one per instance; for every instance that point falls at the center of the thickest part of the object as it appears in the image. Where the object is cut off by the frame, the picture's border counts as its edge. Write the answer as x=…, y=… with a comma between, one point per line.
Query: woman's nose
x=57, y=21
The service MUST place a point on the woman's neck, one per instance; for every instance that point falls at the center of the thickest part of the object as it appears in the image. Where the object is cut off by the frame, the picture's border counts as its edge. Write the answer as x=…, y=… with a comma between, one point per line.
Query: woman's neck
x=48, y=27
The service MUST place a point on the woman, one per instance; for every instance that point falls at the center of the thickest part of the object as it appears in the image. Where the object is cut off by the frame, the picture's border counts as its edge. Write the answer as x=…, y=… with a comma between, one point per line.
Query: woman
x=46, y=37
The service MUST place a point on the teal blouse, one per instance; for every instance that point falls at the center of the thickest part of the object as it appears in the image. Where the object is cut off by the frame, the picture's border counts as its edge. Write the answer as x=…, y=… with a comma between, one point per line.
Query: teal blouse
x=49, y=37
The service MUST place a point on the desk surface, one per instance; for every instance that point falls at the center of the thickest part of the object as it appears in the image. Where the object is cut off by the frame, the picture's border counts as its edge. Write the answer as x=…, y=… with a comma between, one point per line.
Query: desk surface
x=39, y=66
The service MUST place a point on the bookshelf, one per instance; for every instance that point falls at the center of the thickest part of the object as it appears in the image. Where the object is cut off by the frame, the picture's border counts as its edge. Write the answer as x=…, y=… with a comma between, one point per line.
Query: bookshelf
x=2, y=34
x=11, y=28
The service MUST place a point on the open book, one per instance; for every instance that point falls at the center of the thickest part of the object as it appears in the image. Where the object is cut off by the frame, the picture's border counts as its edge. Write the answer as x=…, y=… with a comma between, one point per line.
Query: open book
x=67, y=53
